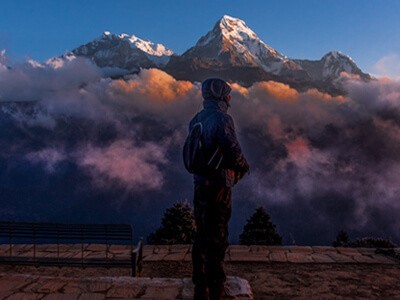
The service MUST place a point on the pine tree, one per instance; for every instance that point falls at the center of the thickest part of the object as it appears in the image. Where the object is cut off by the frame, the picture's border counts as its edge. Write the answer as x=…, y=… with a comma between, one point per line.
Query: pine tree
x=342, y=239
x=374, y=242
x=259, y=230
x=177, y=226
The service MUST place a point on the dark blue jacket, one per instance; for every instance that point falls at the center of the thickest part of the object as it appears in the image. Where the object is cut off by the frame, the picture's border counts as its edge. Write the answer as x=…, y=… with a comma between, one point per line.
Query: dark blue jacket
x=219, y=131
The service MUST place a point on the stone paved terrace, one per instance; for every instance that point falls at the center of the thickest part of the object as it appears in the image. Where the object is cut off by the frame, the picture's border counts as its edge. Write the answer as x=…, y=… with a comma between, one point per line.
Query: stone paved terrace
x=273, y=272
x=234, y=253
x=273, y=254
x=29, y=286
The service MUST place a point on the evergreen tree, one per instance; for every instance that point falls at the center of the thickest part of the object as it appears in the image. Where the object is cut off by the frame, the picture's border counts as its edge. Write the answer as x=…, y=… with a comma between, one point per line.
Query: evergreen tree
x=259, y=230
x=177, y=226
x=374, y=242
x=342, y=239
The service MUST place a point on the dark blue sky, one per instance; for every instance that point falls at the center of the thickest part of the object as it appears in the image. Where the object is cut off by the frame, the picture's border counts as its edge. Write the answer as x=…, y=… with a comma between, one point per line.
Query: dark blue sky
x=366, y=30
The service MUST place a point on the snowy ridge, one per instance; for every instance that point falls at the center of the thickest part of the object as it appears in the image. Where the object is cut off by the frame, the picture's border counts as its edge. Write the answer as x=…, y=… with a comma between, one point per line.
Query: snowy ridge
x=138, y=43
x=157, y=53
x=125, y=52
x=58, y=62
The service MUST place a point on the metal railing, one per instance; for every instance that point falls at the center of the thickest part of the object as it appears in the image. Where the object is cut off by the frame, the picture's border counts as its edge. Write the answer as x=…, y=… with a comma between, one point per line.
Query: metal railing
x=47, y=233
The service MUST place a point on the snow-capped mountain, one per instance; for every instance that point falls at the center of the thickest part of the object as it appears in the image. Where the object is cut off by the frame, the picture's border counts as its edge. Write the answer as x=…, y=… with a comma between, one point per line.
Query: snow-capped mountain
x=331, y=66
x=232, y=44
x=58, y=62
x=124, y=51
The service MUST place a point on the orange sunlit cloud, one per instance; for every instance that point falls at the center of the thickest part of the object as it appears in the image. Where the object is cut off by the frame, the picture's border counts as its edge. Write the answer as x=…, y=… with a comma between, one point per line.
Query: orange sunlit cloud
x=240, y=89
x=323, y=96
x=277, y=90
x=153, y=84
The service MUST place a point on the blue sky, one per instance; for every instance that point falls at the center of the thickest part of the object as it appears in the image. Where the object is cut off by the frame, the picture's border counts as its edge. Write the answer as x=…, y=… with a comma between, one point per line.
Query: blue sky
x=366, y=30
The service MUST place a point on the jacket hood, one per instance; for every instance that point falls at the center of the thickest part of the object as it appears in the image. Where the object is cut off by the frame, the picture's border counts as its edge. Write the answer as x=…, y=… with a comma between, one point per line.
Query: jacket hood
x=215, y=88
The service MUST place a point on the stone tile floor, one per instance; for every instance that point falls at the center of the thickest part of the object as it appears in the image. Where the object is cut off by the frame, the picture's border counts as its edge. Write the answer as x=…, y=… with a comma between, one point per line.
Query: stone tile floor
x=30, y=286
x=71, y=283
x=234, y=253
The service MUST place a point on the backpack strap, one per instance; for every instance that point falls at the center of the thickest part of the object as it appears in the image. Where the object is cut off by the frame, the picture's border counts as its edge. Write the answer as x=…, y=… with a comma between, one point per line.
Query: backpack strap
x=217, y=150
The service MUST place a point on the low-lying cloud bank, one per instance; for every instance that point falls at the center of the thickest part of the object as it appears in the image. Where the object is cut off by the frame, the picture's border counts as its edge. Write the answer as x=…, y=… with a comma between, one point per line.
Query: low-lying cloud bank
x=319, y=163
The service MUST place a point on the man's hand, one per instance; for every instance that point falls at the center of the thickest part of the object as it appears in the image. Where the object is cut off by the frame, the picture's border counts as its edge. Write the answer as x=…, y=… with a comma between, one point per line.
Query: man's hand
x=240, y=174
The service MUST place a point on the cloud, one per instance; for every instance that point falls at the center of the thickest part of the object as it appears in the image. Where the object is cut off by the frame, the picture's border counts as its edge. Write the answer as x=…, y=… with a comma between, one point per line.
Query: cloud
x=60, y=97
x=155, y=92
x=319, y=161
x=125, y=163
x=314, y=149
x=267, y=104
x=49, y=157
x=388, y=66
x=154, y=84
x=276, y=90
x=375, y=96
x=31, y=81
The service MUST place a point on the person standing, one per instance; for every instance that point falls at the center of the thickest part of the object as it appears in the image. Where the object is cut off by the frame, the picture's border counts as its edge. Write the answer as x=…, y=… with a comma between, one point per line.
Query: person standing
x=212, y=189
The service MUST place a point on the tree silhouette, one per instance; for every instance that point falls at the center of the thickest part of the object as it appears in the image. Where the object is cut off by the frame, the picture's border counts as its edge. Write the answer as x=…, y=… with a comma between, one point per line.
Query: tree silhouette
x=374, y=242
x=177, y=226
x=342, y=239
x=259, y=230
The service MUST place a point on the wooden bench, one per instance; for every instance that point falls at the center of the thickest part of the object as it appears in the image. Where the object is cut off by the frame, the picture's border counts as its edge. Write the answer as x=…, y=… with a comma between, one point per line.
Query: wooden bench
x=38, y=234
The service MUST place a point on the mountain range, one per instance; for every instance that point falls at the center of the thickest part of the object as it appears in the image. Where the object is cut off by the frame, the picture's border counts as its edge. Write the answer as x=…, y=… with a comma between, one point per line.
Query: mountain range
x=231, y=50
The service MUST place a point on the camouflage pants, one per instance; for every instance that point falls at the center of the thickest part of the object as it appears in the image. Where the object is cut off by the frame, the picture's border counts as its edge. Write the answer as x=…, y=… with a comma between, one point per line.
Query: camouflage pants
x=212, y=210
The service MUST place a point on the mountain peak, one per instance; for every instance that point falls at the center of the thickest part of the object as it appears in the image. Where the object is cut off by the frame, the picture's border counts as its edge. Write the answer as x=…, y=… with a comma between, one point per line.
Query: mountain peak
x=229, y=22
x=235, y=28
x=331, y=66
x=233, y=35
x=231, y=43
x=337, y=55
x=228, y=17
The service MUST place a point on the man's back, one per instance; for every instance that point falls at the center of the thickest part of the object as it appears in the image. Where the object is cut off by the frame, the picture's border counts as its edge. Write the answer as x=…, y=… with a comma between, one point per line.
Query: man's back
x=212, y=190
x=219, y=133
